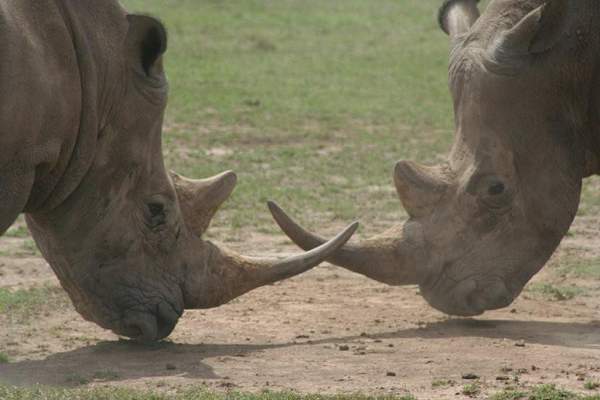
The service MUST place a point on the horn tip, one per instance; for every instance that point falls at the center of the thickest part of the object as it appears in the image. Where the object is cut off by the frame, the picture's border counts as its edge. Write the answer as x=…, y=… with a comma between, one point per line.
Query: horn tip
x=353, y=227
x=274, y=207
x=229, y=177
x=401, y=170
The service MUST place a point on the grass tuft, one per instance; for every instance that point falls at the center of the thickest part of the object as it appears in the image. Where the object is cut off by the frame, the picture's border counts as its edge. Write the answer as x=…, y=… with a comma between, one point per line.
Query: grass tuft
x=555, y=293
x=22, y=304
x=471, y=390
x=591, y=385
x=543, y=392
x=40, y=393
x=440, y=383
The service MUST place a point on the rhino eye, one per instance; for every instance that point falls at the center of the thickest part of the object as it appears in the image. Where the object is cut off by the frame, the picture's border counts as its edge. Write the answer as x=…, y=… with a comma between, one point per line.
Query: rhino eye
x=156, y=214
x=496, y=189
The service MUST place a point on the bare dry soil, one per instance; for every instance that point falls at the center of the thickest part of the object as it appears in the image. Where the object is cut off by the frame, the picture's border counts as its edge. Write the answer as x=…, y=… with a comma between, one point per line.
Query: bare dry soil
x=328, y=331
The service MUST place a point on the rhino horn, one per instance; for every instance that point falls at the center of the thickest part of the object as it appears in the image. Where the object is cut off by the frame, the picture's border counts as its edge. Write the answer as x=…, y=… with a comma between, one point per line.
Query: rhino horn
x=457, y=16
x=201, y=199
x=537, y=32
x=419, y=188
x=390, y=258
x=225, y=275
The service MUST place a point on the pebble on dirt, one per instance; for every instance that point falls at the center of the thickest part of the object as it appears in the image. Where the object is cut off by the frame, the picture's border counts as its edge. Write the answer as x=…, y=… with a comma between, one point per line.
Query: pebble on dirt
x=470, y=376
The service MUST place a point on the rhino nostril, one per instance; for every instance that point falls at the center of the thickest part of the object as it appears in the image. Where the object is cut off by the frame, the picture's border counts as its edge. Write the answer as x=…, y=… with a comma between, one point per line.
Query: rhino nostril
x=140, y=326
x=491, y=297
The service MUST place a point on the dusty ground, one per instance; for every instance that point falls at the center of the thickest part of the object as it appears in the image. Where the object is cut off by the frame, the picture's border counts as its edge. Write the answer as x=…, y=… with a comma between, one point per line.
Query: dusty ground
x=328, y=331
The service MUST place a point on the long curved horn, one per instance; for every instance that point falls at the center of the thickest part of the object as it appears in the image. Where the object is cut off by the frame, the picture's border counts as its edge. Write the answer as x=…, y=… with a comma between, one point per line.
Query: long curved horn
x=457, y=16
x=225, y=275
x=390, y=258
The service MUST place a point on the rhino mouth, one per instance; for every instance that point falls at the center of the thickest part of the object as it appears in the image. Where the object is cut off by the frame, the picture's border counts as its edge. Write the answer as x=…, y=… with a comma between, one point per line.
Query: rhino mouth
x=469, y=297
x=149, y=325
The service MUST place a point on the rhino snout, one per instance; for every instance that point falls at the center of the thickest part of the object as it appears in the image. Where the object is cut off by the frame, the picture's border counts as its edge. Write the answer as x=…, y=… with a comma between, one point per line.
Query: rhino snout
x=149, y=326
x=470, y=297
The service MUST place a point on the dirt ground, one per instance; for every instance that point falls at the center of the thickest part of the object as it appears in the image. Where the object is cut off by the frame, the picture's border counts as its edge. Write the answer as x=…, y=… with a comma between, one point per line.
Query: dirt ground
x=327, y=331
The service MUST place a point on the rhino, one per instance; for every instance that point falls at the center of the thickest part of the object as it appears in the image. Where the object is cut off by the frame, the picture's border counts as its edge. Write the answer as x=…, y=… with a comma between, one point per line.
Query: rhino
x=524, y=78
x=84, y=94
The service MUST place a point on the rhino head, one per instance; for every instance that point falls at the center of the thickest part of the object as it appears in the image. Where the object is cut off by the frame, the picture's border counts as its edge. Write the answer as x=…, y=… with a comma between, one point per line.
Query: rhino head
x=127, y=243
x=523, y=80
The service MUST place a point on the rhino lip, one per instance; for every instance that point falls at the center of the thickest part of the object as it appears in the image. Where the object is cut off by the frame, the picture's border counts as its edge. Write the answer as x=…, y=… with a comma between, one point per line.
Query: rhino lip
x=467, y=297
x=150, y=326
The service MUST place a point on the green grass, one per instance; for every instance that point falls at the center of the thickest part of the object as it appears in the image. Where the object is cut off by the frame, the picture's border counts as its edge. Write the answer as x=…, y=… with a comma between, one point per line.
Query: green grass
x=26, y=248
x=591, y=385
x=590, y=199
x=10, y=393
x=441, y=383
x=4, y=359
x=509, y=394
x=22, y=304
x=543, y=392
x=18, y=231
x=311, y=102
x=471, y=390
x=588, y=268
x=553, y=292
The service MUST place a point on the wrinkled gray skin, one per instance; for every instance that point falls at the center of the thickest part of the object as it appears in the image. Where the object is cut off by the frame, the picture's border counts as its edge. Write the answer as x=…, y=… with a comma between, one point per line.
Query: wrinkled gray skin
x=525, y=79
x=83, y=98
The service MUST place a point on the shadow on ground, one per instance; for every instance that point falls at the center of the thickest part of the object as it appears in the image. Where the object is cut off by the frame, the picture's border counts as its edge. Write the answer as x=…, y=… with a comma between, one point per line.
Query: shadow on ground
x=133, y=361
x=566, y=334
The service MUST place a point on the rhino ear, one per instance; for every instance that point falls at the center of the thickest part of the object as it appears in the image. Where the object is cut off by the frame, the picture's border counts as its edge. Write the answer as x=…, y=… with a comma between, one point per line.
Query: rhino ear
x=456, y=17
x=538, y=32
x=147, y=42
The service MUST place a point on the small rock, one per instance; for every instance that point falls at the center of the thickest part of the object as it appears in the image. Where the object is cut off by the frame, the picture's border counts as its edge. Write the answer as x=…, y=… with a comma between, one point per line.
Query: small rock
x=344, y=347
x=513, y=311
x=171, y=367
x=470, y=376
x=520, y=343
x=502, y=378
x=302, y=337
x=390, y=373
